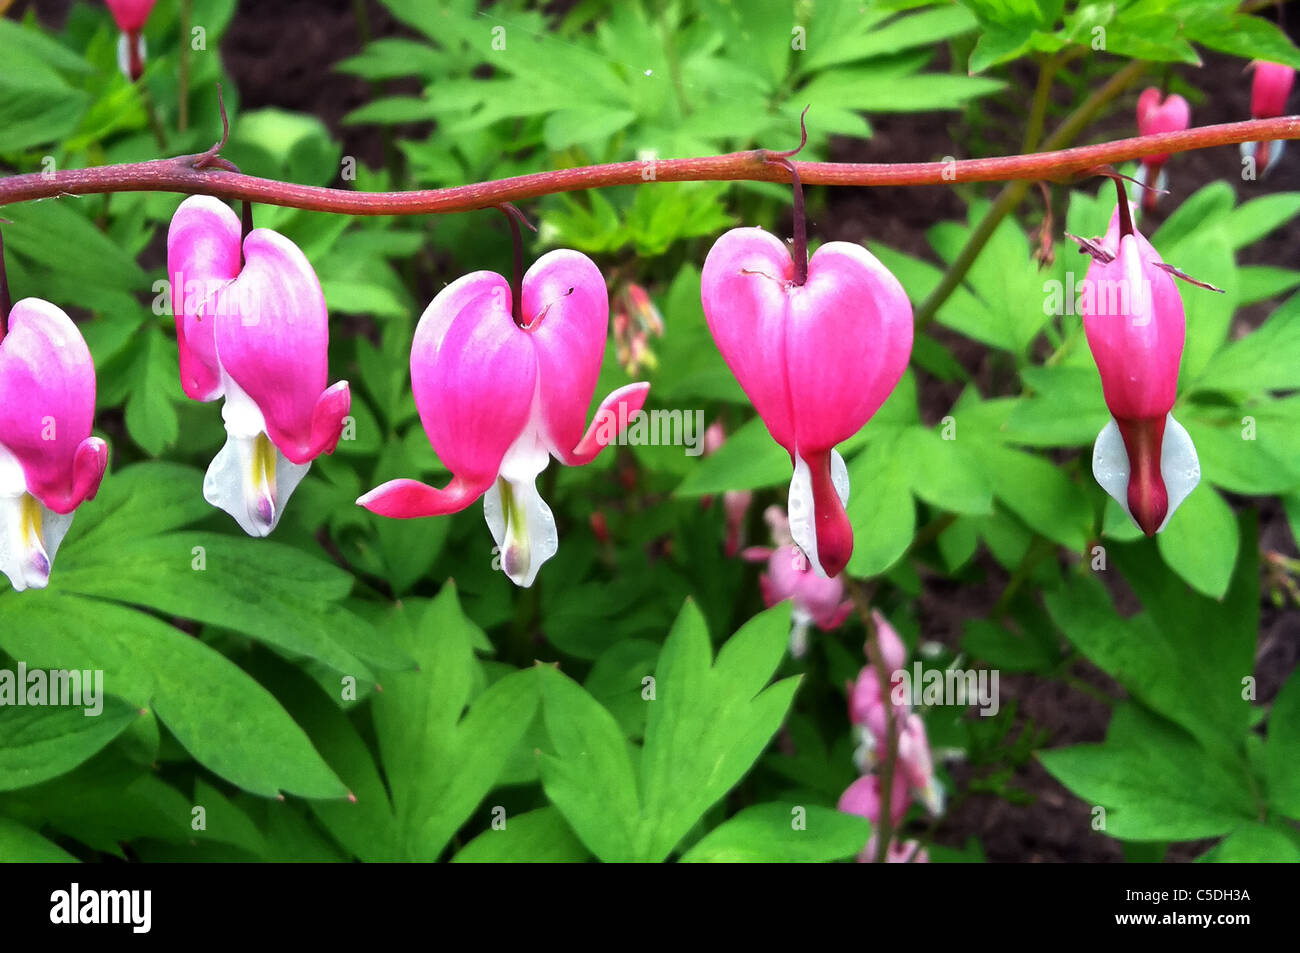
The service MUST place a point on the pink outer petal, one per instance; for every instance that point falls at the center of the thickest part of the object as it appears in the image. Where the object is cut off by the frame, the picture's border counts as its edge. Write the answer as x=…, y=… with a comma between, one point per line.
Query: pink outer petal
x=566, y=312
x=863, y=798
x=273, y=340
x=744, y=290
x=202, y=256
x=47, y=405
x=474, y=375
x=612, y=416
x=848, y=341
x=1136, y=339
x=130, y=15
x=1269, y=89
x=404, y=499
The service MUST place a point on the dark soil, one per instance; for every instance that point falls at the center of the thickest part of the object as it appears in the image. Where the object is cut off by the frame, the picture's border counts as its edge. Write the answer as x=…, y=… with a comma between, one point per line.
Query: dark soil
x=282, y=54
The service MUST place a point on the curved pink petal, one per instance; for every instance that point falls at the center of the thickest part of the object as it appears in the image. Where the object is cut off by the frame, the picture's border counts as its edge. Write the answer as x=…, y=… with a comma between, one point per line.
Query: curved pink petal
x=474, y=375
x=566, y=314
x=611, y=418
x=47, y=405
x=327, y=419
x=744, y=288
x=202, y=258
x=405, y=499
x=272, y=337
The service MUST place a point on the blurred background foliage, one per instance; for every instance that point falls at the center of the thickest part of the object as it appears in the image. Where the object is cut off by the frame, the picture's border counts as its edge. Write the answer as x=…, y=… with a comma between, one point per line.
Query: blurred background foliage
x=231, y=662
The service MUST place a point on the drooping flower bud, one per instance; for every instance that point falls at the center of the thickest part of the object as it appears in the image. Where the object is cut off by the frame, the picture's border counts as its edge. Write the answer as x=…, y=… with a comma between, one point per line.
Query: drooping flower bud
x=1133, y=319
x=1155, y=116
x=49, y=462
x=1269, y=89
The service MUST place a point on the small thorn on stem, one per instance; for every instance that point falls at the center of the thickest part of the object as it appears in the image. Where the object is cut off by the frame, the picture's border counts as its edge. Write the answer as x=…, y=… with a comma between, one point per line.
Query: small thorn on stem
x=206, y=158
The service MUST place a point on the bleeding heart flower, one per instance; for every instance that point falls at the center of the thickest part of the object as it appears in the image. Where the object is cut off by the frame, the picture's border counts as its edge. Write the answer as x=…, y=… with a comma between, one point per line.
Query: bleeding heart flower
x=1156, y=116
x=130, y=16
x=254, y=331
x=498, y=398
x=1269, y=89
x=735, y=503
x=1133, y=318
x=917, y=765
x=49, y=462
x=816, y=357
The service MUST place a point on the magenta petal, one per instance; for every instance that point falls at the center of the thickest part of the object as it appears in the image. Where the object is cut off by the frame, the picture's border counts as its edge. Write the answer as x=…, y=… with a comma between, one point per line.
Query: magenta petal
x=744, y=289
x=611, y=418
x=1133, y=318
x=405, y=499
x=202, y=259
x=47, y=405
x=327, y=421
x=130, y=14
x=273, y=340
x=566, y=311
x=847, y=344
x=474, y=375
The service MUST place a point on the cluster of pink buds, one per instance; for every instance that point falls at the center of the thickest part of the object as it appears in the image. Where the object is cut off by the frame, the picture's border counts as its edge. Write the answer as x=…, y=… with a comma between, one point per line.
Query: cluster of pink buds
x=1269, y=89
x=1156, y=115
x=636, y=320
x=130, y=16
x=49, y=462
x=871, y=712
x=817, y=599
x=735, y=503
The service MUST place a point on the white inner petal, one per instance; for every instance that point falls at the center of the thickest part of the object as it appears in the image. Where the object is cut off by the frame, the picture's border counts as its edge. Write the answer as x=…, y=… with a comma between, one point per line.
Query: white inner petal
x=800, y=505
x=235, y=481
x=30, y=532
x=1179, y=467
x=520, y=521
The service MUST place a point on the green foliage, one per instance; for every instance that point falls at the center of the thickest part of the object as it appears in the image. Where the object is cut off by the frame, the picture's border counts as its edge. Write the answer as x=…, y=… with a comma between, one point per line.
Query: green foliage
x=332, y=695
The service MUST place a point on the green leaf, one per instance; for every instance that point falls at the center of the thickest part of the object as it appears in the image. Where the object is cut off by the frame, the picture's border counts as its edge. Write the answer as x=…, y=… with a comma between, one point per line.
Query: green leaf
x=1154, y=781
x=943, y=473
x=880, y=507
x=21, y=845
x=782, y=833
x=1254, y=844
x=254, y=744
x=537, y=837
x=1200, y=543
x=709, y=721
x=1038, y=492
x=38, y=743
x=749, y=460
x=1267, y=359
x=1282, y=750
x=441, y=759
x=590, y=778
